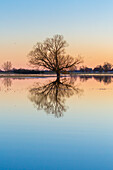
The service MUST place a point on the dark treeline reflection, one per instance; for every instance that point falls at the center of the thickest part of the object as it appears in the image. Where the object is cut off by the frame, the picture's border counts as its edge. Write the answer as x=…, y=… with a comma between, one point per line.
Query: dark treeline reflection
x=104, y=79
x=51, y=96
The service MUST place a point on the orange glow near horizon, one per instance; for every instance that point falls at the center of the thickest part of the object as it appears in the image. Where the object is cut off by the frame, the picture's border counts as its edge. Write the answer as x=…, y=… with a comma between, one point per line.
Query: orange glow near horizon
x=93, y=54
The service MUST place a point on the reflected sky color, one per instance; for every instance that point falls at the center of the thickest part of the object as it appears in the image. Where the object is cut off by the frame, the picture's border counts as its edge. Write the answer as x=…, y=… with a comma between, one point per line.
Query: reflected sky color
x=86, y=25
x=32, y=139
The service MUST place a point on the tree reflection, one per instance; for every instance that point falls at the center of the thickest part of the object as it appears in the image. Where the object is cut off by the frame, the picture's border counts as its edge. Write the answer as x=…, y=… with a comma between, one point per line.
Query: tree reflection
x=84, y=78
x=51, y=97
x=105, y=79
x=7, y=82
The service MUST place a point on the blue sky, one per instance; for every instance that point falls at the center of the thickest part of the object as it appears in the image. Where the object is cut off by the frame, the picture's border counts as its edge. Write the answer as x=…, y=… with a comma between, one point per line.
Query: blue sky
x=86, y=25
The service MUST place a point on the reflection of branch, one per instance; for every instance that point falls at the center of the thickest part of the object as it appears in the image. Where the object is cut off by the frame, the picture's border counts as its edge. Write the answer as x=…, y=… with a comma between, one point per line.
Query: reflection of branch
x=51, y=97
x=7, y=83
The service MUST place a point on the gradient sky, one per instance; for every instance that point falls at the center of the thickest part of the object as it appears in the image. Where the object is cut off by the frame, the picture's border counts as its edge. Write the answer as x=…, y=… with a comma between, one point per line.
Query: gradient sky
x=87, y=25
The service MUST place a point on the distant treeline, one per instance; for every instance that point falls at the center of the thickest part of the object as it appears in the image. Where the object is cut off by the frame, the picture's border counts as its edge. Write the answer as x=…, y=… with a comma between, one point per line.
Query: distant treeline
x=107, y=67
x=26, y=71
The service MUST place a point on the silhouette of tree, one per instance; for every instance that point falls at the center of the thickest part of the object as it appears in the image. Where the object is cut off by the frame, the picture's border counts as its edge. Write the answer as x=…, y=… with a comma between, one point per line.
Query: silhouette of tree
x=51, y=97
x=85, y=69
x=107, y=66
x=7, y=66
x=98, y=68
x=51, y=55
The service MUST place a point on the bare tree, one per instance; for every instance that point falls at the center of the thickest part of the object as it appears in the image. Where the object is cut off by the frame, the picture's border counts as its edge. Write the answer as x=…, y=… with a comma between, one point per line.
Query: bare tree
x=7, y=66
x=51, y=55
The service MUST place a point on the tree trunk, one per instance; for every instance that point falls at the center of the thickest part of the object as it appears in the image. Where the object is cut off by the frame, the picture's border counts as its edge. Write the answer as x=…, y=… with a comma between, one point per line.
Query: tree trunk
x=58, y=75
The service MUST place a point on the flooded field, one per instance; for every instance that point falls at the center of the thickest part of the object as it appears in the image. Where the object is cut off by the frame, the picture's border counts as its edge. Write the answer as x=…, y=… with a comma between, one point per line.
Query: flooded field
x=54, y=124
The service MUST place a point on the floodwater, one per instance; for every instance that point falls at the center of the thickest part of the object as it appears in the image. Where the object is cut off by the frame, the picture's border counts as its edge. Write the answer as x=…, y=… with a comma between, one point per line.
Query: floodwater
x=47, y=124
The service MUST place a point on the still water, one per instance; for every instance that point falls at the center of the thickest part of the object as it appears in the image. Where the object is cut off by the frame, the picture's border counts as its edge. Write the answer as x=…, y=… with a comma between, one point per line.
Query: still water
x=46, y=124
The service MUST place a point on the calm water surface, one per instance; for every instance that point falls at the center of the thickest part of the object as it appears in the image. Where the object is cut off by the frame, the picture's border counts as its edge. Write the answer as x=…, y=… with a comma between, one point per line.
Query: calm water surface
x=56, y=125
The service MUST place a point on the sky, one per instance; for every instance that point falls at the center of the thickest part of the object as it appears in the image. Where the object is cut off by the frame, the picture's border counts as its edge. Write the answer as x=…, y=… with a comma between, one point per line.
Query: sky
x=87, y=26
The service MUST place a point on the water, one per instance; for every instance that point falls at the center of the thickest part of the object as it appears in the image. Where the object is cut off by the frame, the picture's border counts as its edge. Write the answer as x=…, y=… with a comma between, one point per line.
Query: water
x=66, y=125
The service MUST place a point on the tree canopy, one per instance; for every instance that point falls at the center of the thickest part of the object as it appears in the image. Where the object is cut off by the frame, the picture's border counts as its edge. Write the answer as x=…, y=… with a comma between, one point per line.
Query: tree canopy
x=51, y=55
x=7, y=66
x=107, y=66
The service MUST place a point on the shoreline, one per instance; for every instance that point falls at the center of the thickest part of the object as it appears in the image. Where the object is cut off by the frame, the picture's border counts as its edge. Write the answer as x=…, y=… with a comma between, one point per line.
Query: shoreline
x=52, y=75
